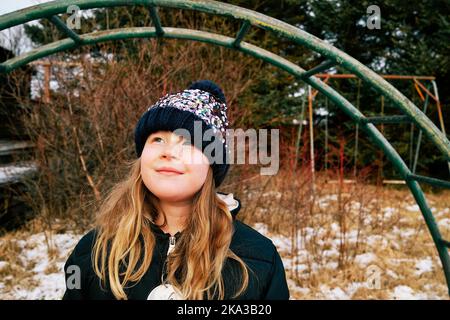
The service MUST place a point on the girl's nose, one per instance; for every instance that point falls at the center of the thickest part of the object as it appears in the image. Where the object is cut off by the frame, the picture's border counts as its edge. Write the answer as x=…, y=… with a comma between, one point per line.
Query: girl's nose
x=172, y=150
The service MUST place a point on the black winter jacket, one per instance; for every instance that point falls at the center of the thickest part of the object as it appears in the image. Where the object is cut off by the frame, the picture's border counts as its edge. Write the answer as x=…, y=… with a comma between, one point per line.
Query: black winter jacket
x=267, y=282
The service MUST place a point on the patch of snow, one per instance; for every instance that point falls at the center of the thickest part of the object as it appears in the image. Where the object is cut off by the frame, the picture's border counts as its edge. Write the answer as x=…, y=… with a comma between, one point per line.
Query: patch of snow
x=324, y=201
x=47, y=271
x=321, y=112
x=391, y=274
x=282, y=243
x=406, y=293
x=444, y=223
x=315, y=267
x=365, y=259
x=335, y=227
x=297, y=122
x=321, y=232
x=294, y=287
x=336, y=242
x=413, y=208
x=261, y=228
x=388, y=212
x=52, y=287
x=333, y=294
x=309, y=231
x=367, y=220
x=424, y=265
x=10, y=173
x=354, y=286
x=377, y=240
x=432, y=289
x=302, y=255
x=287, y=262
x=301, y=267
x=353, y=235
x=403, y=232
x=320, y=242
x=444, y=212
x=332, y=265
x=354, y=206
x=330, y=253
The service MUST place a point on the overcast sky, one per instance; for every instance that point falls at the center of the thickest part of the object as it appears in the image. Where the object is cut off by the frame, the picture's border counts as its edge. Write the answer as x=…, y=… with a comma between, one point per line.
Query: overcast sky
x=9, y=6
x=13, y=38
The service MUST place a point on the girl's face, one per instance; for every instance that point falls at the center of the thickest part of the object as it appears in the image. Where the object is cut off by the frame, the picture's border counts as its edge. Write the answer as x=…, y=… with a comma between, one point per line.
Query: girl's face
x=171, y=168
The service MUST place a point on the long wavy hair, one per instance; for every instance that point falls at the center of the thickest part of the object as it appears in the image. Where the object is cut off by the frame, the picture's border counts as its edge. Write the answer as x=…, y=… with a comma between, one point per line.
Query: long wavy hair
x=124, y=245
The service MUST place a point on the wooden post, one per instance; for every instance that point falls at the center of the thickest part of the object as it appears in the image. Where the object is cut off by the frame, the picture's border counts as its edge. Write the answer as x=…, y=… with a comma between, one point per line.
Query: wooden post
x=441, y=118
x=380, y=168
x=311, y=137
x=47, y=76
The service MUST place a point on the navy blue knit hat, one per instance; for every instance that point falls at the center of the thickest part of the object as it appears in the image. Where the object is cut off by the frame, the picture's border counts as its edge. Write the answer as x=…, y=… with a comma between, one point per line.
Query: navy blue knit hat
x=204, y=102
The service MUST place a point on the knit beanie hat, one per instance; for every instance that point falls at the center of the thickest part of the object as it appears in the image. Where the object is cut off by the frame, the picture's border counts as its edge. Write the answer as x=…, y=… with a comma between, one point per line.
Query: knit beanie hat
x=202, y=104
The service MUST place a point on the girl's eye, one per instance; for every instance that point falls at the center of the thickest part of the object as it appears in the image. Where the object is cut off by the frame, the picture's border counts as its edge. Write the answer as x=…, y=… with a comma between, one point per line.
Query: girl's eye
x=157, y=139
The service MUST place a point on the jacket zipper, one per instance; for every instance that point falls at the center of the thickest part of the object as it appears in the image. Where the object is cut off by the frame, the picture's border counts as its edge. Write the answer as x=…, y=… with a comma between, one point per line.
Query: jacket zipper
x=172, y=241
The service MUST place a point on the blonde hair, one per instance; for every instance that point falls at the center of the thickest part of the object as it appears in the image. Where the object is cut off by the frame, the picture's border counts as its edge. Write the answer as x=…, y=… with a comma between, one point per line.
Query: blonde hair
x=124, y=244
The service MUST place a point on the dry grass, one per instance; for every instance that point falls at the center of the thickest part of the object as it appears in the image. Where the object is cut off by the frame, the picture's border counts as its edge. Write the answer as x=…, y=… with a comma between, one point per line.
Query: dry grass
x=328, y=239
x=15, y=271
x=26, y=255
x=336, y=233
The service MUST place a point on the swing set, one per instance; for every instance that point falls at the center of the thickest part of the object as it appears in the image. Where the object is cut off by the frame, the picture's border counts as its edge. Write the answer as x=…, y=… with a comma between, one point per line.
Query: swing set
x=332, y=57
x=413, y=154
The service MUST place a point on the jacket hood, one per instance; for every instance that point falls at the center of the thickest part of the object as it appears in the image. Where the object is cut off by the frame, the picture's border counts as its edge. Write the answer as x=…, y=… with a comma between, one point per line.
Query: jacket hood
x=233, y=203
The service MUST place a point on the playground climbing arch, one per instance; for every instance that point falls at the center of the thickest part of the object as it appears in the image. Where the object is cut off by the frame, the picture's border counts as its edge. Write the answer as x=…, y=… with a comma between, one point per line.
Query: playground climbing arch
x=407, y=110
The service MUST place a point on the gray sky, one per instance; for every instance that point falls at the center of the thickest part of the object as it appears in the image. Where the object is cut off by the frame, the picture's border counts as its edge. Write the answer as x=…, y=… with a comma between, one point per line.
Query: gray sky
x=10, y=6
x=13, y=38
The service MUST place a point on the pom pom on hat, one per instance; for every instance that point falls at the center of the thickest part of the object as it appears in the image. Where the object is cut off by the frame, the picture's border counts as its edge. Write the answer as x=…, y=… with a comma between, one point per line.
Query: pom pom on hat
x=209, y=86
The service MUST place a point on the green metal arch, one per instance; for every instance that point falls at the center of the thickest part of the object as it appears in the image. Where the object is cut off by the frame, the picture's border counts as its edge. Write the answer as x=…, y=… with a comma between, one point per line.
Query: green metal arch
x=251, y=18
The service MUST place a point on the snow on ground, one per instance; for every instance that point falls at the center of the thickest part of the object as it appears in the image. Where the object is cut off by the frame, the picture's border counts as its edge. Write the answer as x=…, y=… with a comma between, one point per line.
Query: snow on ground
x=406, y=293
x=443, y=213
x=45, y=271
x=424, y=265
x=402, y=275
x=388, y=212
x=365, y=259
x=444, y=223
x=333, y=294
x=413, y=208
x=325, y=200
x=9, y=173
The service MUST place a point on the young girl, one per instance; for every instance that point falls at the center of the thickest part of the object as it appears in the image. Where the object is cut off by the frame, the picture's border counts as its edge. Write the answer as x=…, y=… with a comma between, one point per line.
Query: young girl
x=165, y=232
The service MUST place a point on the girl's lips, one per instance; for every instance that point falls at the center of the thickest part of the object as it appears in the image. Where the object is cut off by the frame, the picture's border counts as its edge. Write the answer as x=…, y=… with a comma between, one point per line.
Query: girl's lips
x=169, y=173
